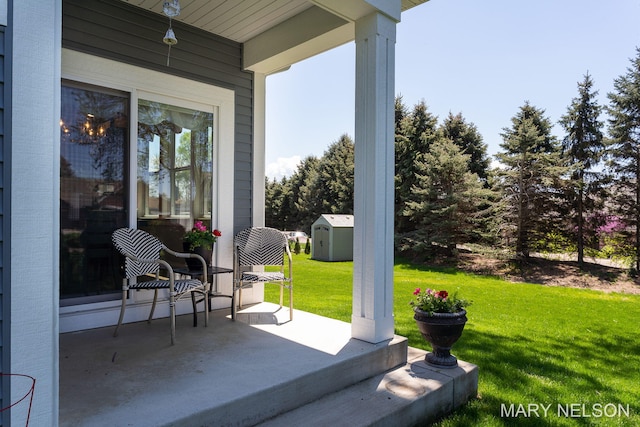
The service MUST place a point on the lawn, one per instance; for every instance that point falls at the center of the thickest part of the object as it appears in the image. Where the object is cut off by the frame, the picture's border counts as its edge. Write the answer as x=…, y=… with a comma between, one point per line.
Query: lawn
x=572, y=351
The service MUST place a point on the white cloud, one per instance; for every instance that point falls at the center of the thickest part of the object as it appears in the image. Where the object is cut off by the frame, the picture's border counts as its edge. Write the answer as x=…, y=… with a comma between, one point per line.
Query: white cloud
x=283, y=166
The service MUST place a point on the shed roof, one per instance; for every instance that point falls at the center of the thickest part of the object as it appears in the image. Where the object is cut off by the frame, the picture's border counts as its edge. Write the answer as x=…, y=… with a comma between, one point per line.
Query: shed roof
x=338, y=220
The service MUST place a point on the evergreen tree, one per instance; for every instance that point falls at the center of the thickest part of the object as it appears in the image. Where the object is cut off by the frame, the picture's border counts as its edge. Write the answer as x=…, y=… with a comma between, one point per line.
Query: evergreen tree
x=529, y=178
x=414, y=135
x=333, y=188
x=445, y=200
x=466, y=136
x=582, y=148
x=401, y=159
x=277, y=201
x=302, y=182
x=624, y=147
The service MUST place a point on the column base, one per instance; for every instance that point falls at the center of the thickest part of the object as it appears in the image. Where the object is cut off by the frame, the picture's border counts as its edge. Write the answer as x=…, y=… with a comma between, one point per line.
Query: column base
x=372, y=331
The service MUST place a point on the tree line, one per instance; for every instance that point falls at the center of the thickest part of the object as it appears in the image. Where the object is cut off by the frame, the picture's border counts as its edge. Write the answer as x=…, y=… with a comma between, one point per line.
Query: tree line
x=579, y=193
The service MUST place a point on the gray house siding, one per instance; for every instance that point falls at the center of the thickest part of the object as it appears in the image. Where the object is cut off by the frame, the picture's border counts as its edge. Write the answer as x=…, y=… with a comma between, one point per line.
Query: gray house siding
x=5, y=153
x=125, y=33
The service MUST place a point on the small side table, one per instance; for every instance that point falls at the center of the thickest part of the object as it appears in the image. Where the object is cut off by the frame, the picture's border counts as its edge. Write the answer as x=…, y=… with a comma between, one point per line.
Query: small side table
x=213, y=272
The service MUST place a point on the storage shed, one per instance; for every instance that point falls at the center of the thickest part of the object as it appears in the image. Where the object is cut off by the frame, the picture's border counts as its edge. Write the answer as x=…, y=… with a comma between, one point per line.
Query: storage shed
x=332, y=238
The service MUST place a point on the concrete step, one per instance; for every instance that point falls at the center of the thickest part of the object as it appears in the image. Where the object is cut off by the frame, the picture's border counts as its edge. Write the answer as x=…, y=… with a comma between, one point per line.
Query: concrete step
x=311, y=386
x=411, y=394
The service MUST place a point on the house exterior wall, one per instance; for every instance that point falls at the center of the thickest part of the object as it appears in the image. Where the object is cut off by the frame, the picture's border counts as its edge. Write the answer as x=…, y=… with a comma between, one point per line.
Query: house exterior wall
x=33, y=30
x=125, y=33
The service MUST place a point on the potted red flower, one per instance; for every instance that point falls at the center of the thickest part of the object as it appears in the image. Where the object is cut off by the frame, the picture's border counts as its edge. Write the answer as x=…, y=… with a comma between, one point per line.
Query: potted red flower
x=200, y=240
x=441, y=318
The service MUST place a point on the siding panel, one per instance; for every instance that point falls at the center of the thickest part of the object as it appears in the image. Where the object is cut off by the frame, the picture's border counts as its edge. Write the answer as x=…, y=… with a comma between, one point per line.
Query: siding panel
x=119, y=31
x=5, y=273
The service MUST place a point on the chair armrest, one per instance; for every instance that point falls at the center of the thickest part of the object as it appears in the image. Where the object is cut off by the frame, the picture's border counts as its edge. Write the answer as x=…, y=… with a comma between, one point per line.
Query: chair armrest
x=160, y=262
x=190, y=255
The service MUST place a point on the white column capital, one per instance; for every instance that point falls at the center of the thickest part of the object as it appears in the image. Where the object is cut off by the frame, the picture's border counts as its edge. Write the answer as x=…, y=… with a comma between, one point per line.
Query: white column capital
x=376, y=24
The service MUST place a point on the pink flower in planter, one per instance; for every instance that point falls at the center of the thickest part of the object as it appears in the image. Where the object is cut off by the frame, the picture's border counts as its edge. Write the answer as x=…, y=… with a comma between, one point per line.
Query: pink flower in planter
x=442, y=294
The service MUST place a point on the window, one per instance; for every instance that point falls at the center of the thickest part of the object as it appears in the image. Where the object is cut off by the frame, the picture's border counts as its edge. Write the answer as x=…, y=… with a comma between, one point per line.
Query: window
x=175, y=169
x=94, y=129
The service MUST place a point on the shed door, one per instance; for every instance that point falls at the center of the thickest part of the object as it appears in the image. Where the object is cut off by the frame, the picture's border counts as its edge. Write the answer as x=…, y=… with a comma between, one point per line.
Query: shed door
x=321, y=242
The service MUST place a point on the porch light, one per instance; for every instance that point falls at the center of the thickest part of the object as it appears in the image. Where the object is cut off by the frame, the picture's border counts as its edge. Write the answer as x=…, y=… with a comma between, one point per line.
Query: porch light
x=171, y=9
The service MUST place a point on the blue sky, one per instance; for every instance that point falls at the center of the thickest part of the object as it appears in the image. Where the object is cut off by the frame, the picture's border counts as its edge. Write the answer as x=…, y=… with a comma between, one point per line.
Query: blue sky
x=483, y=59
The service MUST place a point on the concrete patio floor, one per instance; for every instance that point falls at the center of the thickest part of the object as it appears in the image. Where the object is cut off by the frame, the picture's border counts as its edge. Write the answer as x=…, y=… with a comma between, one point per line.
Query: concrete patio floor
x=247, y=372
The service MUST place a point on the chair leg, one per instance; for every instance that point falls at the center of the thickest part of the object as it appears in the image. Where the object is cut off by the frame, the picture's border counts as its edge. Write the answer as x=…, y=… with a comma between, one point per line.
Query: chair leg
x=290, y=301
x=195, y=308
x=153, y=305
x=281, y=293
x=207, y=303
x=122, y=308
x=172, y=306
x=233, y=304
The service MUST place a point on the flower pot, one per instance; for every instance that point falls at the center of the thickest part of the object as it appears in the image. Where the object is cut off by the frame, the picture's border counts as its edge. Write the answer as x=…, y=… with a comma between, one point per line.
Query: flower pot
x=441, y=330
x=194, y=263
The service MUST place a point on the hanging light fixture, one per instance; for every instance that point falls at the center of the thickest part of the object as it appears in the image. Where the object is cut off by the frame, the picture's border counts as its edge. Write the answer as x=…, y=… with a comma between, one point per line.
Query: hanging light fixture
x=171, y=9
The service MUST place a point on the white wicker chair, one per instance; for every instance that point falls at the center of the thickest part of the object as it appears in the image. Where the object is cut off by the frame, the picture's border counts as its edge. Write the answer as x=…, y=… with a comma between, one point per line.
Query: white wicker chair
x=261, y=246
x=142, y=258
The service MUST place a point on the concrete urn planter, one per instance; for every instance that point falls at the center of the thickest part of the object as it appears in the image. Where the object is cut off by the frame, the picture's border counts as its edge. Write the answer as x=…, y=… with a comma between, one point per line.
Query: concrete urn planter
x=441, y=330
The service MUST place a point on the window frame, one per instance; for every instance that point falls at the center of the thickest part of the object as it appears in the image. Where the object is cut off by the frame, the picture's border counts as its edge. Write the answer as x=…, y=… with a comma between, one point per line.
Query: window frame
x=173, y=169
x=142, y=83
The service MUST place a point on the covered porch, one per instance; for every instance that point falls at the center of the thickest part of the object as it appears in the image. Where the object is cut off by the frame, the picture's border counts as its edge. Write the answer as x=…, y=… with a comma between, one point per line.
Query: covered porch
x=259, y=370
x=231, y=373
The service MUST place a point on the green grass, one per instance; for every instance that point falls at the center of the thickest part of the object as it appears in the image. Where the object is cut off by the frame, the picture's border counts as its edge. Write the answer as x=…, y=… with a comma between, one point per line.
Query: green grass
x=533, y=344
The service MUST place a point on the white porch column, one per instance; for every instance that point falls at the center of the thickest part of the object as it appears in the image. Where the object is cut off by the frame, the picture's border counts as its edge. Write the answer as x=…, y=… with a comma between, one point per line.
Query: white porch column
x=372, y=317
x=259, y=166
x=35, y=29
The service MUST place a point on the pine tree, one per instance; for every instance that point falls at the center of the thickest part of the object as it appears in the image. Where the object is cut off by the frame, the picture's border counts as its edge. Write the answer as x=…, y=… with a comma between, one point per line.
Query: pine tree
x=529, y=178
x=333, y=188
x=276, y=200
x=303, y=200
x=445, y=200
x=583, y=147
x=624, y=147
x=414, y=135
x=466, y=136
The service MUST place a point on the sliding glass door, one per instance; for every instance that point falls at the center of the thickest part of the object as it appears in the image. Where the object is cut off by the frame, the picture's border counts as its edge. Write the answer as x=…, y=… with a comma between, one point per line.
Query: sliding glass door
x=94, y=129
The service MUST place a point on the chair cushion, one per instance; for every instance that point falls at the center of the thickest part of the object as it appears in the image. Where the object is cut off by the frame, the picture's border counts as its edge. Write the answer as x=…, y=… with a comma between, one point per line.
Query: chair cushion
x=180, y=286
x=252, y=276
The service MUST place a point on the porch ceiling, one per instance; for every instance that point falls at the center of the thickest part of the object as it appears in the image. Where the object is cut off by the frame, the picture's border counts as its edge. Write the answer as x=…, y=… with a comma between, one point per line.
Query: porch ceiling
x=278, y=33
